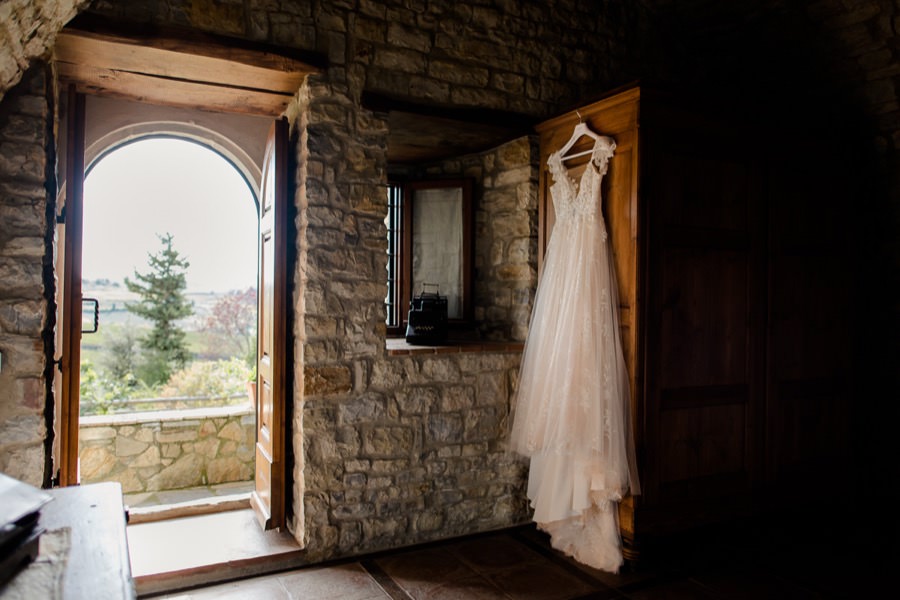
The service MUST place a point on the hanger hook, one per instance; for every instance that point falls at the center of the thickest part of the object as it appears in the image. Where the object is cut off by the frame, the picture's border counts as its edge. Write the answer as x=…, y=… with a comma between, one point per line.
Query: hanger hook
x=580, y=118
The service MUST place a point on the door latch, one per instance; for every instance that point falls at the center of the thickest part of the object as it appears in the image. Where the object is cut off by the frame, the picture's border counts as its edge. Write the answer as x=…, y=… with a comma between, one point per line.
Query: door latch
x=96, y=304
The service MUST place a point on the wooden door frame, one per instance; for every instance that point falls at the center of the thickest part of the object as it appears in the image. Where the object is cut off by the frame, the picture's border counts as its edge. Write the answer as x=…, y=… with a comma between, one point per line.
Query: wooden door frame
x=70, y=358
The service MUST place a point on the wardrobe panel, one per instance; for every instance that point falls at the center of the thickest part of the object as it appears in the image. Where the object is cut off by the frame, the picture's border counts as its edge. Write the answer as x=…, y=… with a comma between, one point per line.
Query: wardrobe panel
x=704, y=337
x=702, y=442
x=705, y=192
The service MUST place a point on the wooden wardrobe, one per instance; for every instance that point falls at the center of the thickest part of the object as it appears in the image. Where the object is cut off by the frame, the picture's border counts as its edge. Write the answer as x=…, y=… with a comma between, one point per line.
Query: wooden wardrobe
x=724, y=246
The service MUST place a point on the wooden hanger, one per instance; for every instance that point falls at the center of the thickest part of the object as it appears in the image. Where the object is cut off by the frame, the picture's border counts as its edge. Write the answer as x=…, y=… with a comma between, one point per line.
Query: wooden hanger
x=581, y=130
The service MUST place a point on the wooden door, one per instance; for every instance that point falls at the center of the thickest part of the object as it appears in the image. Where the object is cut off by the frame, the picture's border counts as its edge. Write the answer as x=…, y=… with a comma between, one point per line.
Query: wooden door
x=706, y=330
x=69, y=311
x=269, y=497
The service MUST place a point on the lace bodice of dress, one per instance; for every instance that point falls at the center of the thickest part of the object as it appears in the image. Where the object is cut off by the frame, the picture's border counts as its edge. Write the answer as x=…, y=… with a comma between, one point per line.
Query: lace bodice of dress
x=572, y=199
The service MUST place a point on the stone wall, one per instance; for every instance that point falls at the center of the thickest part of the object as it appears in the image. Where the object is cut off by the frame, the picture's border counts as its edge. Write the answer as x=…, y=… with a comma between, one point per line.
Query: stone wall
x=418, y=455
x=526, y=56
x=169, y=450
x=28, y=30
x=358, y=432
x=26, y=286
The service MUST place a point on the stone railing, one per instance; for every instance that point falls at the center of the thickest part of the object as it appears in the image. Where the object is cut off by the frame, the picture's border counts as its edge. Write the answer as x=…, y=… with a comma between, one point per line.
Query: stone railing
x=168, y=450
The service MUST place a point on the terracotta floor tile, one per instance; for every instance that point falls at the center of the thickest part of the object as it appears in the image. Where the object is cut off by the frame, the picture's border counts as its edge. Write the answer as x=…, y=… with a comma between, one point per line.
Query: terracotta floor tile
x=342, y=582
x=492, y=553
x=472, y=588
x=419, y=572
x=541, y=581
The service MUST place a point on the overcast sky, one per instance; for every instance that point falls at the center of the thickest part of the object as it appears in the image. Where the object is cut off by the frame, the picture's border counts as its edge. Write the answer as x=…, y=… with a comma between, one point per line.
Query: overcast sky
x=158, y=186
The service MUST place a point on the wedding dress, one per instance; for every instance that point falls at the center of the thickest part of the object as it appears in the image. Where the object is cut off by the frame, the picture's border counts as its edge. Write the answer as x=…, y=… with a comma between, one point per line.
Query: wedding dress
x=572, y=415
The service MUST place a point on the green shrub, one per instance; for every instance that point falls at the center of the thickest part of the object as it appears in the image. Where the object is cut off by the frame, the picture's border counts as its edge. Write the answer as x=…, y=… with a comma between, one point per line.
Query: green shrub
x=213, y=379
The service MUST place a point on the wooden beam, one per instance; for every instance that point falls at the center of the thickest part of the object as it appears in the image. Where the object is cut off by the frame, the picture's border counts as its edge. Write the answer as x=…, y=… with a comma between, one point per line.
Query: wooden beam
x=182, y=60
x=199, y=43
x=172, y=92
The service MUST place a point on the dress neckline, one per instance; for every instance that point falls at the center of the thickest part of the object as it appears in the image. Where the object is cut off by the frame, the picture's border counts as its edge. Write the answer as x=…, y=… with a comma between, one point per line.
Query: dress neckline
x=561, y=173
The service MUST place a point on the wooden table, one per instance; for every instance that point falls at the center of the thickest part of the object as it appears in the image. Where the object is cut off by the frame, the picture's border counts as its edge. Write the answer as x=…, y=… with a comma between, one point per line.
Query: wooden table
x=98, y=565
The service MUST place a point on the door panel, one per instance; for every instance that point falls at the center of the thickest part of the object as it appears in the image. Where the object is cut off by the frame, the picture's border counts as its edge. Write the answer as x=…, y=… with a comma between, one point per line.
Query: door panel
x=70, y=319
x=269, y=498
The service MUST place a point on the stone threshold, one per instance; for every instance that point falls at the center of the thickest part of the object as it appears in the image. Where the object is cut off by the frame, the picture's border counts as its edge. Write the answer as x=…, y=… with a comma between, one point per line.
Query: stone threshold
x=179, y=553
x=202, y=506
x=399, y=347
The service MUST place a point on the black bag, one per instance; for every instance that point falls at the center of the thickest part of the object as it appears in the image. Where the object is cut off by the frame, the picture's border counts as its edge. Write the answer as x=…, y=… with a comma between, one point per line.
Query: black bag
x=427, y=318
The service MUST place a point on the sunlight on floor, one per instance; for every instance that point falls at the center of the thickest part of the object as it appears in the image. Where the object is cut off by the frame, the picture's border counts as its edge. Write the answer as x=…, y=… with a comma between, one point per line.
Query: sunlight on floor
x=194, y=549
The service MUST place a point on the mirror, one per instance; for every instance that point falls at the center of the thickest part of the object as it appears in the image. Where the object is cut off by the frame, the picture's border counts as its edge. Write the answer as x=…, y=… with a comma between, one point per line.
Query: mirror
x=440, y=242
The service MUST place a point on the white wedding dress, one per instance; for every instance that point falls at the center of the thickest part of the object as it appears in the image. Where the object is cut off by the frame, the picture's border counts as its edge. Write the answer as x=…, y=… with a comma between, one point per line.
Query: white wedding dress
x=572, y=415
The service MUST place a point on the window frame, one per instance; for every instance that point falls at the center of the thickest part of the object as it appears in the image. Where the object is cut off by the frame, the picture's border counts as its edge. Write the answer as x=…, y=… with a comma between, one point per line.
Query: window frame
x=404, y=284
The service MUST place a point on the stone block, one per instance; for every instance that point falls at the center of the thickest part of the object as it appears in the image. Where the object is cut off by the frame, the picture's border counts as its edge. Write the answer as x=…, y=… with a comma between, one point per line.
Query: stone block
x=429, y=521
x=128, y=447
x=444, y=429
x=440, y=370
x=415, y=400
x=24, y=463
x=184, y=472
x=207, y=428
x=21, y=276
x=207, y=448
x=326, y=380
x=86, y=434
x=387, y=441
x=483, y=424
x=391, y=528
x=403, y=36
x=389, y=466
x=222, y=470
x=353, y=511
x=176, y=435
x=350, y=534
x=456, y=398
x=490, y=388
x=357, y=466
x=364, y=409
x=246, y=453
x=399, y=60
x=96, y=463
x=149, y=458
x=146, y=432
x=23, y=317
x=355, y=480
x=22, y=161
x=232, y=431
x=22, y=429
x=131, y=483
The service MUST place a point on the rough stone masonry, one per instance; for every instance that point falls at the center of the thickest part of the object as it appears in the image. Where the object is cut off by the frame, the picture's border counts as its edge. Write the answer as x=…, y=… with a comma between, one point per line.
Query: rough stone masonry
x=391, y=450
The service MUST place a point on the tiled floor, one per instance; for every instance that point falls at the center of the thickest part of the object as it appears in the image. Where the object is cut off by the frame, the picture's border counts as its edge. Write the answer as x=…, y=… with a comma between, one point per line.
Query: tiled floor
x=750, y=562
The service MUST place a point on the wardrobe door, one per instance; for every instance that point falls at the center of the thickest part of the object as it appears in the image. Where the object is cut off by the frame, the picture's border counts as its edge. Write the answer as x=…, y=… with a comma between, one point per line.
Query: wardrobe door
x=706, y=332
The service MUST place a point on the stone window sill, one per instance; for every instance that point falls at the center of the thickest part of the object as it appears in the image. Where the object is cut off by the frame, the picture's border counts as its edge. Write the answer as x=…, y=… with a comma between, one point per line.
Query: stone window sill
x=399, y=347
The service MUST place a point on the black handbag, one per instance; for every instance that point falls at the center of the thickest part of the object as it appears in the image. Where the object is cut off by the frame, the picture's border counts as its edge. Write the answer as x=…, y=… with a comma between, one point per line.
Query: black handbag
x=427, y=318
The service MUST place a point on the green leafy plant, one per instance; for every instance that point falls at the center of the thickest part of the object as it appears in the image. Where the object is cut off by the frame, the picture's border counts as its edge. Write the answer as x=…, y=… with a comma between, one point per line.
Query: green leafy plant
x=214, y=379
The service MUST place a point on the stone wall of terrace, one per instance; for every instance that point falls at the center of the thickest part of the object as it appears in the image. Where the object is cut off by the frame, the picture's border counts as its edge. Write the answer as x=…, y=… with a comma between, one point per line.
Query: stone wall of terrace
x=169, y=450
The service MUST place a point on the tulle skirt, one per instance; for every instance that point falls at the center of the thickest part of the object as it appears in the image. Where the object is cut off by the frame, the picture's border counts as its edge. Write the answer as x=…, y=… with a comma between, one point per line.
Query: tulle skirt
x=572, y=413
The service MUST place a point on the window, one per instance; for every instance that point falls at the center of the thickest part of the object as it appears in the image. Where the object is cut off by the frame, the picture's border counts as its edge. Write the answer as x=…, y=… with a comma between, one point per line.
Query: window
x=394, y=233
x=429, y=227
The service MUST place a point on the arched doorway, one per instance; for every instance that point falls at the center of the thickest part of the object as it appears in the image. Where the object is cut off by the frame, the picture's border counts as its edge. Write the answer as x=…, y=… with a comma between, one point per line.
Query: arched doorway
x=92, y=126
x=169, y=265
